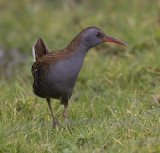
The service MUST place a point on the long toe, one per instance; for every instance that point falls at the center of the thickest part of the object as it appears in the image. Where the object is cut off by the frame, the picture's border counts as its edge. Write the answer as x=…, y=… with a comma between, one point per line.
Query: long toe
x=55, y=123
x=65, y=120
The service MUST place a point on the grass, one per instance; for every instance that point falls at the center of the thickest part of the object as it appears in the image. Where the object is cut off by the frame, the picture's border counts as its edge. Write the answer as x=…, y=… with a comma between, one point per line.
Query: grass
x=115, y=104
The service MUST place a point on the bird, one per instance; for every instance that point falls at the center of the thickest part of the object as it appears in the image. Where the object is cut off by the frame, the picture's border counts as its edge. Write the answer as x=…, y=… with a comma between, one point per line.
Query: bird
x=55, y=73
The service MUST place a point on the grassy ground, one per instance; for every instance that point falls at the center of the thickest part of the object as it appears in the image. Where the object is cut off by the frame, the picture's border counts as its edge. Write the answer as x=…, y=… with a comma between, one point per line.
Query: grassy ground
x=115, y=105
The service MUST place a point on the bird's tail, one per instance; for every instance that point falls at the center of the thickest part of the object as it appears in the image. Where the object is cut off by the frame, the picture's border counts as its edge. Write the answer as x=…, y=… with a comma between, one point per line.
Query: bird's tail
x=39, y=49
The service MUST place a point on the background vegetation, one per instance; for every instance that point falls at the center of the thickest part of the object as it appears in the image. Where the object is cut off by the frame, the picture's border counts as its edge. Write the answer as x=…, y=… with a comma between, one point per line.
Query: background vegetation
x=115, y=105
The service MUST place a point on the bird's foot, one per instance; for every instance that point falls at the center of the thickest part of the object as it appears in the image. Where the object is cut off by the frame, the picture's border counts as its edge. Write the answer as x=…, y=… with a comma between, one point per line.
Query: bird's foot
x=66, y=120
x=55, y=123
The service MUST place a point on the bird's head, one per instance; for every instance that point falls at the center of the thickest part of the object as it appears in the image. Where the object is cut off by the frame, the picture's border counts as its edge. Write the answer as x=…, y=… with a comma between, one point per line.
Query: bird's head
x=93, y=36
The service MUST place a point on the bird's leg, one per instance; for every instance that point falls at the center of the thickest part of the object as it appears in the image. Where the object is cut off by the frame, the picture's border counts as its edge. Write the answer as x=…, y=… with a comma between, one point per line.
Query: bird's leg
x=55, y=123
x=65, y=113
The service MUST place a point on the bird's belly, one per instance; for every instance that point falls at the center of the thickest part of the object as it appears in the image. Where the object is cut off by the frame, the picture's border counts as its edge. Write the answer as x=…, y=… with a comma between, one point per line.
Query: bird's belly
x=60, y=80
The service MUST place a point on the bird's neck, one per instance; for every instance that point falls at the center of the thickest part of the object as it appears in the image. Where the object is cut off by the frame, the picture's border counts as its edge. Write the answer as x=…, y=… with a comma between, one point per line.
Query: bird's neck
x=78, y=46
x=77, y=51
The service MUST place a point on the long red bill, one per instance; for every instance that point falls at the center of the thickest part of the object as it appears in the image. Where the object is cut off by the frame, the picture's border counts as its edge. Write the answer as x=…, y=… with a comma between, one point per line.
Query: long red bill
x=110, y=39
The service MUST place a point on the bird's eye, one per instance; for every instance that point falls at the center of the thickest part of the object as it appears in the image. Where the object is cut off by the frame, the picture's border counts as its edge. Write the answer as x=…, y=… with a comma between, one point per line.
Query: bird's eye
x=98, y=34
